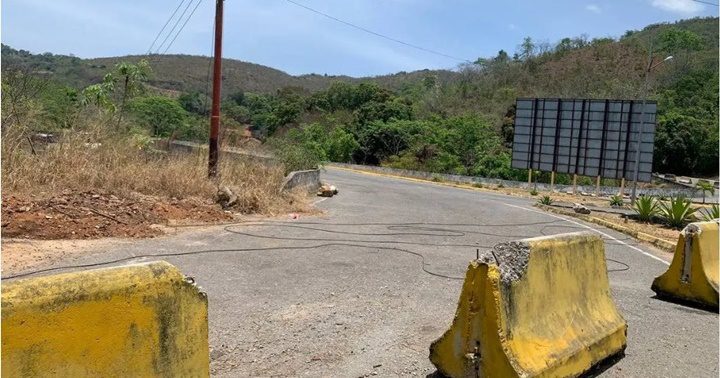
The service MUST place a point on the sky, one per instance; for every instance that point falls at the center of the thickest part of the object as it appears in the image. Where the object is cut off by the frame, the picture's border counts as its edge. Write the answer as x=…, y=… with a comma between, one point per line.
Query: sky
x=282, y=35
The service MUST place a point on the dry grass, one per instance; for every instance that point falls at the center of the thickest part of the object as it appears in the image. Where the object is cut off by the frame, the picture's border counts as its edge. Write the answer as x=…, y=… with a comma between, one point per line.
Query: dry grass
x=96, y=159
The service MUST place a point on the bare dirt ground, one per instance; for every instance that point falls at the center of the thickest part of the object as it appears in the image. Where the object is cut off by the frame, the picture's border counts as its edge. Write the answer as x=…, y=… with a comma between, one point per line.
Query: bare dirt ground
x=94, y=214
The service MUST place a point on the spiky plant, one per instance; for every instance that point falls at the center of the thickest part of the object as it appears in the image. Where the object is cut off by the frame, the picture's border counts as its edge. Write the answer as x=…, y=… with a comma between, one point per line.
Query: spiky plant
x=645, y=207
x=678, y=211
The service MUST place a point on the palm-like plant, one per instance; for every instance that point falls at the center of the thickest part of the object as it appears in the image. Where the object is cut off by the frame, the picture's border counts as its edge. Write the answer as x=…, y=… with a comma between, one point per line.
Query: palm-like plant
x=711, y=213
x=545, y=200
x=645, y=207
x=616, y=201
x=678, y=211
x=706, y=187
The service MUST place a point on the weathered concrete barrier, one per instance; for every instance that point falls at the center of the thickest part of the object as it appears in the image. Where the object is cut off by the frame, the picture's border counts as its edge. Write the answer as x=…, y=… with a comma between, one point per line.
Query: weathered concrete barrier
x=543, y=187
x=140, y=320
x=531, y=308
x=693, y=273
x=309, y=180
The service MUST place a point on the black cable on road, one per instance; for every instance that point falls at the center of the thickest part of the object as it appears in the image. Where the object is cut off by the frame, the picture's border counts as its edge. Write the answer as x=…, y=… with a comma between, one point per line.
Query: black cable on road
x=419, y=226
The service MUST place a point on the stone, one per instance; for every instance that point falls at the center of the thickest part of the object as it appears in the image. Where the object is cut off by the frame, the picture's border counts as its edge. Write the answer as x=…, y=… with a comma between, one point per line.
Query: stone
x=580, y=209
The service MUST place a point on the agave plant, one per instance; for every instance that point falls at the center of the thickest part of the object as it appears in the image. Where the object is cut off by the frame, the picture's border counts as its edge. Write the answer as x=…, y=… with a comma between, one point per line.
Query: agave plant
x=616, y=201
x=545, y=200
x=645, y=207
x=711, y=213
x=678, y=211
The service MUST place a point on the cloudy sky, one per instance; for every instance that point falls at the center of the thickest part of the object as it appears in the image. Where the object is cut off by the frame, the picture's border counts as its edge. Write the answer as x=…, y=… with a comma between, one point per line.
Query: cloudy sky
x=283, y=35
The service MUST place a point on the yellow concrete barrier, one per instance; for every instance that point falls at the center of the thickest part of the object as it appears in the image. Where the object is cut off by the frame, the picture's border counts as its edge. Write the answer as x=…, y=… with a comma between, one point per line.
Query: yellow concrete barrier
x=135, y=321
x=533, y=308
x=693, y=273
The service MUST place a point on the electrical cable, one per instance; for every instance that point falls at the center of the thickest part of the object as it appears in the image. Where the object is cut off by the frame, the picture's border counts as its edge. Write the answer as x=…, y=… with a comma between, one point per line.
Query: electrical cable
x=177, y=22
x=706, y=2
x=164, y=26
x=183, y=26
x=376, y=33
x=410, y=227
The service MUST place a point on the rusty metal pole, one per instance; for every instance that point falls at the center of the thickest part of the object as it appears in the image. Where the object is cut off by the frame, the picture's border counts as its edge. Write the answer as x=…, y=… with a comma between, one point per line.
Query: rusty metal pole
x=217, y=82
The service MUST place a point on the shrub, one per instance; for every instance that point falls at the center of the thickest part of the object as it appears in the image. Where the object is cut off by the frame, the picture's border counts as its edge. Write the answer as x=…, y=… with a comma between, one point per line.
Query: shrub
x=533, y=192
x=645, y=207
x=711, y=213
x=677, y=212
x=616, y=201
x=545, y=200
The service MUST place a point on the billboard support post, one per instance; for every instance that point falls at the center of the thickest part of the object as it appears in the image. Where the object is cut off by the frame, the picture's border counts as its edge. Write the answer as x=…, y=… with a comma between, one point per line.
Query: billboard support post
x=575, y=184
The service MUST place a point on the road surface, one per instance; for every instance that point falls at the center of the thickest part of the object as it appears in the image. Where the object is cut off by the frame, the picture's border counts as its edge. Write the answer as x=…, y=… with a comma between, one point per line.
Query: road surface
x=365, y=288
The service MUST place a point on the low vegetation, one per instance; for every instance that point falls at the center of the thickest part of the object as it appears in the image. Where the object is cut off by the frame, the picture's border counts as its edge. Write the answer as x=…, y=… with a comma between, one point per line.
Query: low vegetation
x=455, y=122
x=645, y=207
x=545, y=200
x=616, y=200
x=107, y=146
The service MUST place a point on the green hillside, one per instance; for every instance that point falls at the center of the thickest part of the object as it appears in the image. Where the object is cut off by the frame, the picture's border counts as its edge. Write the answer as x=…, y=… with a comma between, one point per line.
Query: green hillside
x=456, y=121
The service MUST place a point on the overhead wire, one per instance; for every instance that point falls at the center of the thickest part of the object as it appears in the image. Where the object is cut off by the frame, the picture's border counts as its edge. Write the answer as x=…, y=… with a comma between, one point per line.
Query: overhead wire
x=366, y=30
x=706, y=2
x=177, y=22
x=182, y=27
x=164, y=26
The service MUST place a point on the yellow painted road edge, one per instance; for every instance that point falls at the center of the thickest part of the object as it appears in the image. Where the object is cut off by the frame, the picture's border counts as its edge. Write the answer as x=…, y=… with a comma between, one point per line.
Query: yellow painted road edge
x=663, y=244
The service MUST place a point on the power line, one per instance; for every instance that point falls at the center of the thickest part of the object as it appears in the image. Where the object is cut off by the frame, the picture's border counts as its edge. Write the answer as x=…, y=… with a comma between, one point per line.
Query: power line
x=177, y=22
x=706, y=2
x=376, y=33
x=183, y=26
x=164, y=26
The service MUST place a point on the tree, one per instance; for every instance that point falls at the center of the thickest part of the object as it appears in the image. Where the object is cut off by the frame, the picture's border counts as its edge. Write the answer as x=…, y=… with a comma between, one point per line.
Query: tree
x=706, y=186
x=132, y=76
x=162, y=115
x=99, y=94
x=195, y=102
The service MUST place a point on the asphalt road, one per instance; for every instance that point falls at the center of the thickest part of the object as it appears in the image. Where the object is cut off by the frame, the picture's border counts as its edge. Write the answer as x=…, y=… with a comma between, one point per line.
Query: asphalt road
x=362, y=304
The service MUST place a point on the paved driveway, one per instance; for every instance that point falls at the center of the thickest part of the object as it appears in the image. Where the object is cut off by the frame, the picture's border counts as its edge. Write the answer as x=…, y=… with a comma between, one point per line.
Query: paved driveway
x=365, y=288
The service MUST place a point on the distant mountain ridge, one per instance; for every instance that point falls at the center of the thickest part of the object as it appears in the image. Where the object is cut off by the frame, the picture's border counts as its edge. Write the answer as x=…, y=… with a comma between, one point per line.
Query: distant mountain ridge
x=192, y=72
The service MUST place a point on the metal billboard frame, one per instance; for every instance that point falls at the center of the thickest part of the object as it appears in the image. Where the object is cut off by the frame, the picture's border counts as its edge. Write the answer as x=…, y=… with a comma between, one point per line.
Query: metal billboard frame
x=588, y=137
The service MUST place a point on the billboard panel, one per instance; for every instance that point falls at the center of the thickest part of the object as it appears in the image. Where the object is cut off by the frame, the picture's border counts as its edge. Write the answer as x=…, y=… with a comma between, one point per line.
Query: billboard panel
x=584, y=137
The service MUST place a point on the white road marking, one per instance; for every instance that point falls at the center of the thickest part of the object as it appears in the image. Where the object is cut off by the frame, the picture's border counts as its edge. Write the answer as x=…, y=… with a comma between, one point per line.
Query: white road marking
x=320, y=200
x=593, y=229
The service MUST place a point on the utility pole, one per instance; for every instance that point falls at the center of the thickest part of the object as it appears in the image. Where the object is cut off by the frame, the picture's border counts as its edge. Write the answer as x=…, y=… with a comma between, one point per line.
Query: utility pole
x=646, y=84
x=217, y=82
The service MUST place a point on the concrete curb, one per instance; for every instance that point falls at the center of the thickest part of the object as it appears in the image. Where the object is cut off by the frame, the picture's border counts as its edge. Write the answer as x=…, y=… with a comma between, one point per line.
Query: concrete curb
x=309, y=179
x=663, y=244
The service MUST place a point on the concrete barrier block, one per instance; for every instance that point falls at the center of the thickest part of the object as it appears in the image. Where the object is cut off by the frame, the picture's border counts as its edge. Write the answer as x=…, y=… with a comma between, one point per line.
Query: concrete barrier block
x=531, y=308
x=133, y=321
x=308, y=180
x=693, y=273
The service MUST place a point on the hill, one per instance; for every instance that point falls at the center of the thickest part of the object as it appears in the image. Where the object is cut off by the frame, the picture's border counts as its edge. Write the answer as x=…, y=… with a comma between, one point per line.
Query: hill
x=457, y=121
x=186, y=73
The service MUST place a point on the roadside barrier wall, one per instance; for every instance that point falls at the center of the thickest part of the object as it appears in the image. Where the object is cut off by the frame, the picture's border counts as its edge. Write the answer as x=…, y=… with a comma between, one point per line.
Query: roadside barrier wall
x=533, y=308
x=604, y=190
x=693, y=273
x=309, y=180
x=131, y=321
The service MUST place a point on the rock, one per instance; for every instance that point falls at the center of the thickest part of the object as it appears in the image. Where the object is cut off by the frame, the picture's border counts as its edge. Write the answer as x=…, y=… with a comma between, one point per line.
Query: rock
x=580, y=209
x=225, y=197
x=325, y=191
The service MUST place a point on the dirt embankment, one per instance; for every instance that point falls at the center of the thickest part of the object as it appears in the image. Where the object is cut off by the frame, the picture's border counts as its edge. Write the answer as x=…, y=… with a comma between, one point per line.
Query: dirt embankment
x=96, y=214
